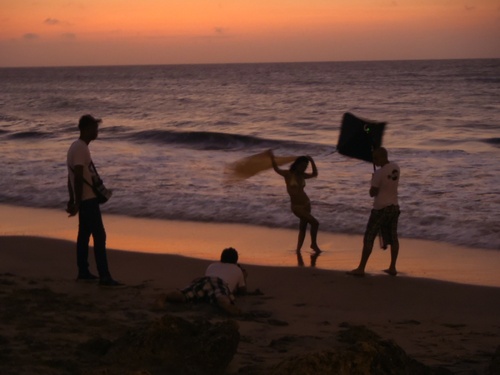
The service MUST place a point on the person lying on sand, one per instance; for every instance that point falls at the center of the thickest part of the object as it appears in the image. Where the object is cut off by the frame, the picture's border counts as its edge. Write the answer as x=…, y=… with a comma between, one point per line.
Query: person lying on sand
x=222, y=281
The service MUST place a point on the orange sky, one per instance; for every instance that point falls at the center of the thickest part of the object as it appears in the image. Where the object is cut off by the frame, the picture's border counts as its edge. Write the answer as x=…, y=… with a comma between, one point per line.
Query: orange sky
x=109, y=32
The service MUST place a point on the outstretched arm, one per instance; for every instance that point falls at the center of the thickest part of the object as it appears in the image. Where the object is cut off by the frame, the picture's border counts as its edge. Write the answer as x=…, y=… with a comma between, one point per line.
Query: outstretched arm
x=274, y=164
x=242, y=290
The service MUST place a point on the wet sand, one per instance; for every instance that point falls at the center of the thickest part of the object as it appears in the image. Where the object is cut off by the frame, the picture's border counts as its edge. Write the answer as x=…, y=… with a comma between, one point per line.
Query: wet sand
x=453, y=323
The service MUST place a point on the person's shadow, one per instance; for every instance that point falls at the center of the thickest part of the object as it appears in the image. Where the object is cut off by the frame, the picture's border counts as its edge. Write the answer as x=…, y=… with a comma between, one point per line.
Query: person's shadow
x=314, y=257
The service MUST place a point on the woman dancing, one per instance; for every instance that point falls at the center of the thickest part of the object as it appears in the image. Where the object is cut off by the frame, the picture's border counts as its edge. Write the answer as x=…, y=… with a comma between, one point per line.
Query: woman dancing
x=301, y=205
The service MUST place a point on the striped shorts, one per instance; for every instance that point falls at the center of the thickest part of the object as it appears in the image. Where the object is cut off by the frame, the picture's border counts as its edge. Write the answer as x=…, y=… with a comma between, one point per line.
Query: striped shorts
x=207, y=289
x=385, y=222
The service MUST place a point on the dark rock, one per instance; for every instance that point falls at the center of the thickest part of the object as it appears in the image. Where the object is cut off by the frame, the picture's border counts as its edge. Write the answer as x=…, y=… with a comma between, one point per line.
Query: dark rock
x=354, y=334
x=494, y=368
x=363, y=353
x=177, y=346
x=277, y=322
x=96, y=346
x=5, y=348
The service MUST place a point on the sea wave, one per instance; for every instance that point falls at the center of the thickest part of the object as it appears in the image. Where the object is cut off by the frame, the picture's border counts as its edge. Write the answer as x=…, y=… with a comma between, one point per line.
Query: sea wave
x=29, y=135
x=202, y=118
x=492, y=141
x=8, y=118
x=205, y=140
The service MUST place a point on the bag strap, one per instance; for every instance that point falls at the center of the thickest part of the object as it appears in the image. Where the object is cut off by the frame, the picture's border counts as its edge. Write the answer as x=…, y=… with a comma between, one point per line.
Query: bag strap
x=84, y=180
x=95, y=169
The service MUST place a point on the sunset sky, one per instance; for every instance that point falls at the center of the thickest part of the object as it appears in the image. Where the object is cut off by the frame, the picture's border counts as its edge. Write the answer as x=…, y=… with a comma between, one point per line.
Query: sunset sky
x=127, y=32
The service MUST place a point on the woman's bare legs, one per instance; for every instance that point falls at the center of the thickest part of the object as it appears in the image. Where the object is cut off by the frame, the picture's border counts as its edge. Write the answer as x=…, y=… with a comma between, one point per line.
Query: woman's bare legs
x=314, y=234
x=302, y=234
x=306, y=218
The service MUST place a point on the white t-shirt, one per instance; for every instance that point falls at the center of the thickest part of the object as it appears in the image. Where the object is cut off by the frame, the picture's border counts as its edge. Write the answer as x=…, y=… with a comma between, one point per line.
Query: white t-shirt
x=229, y=272
x=79, y=154
x=386, y=179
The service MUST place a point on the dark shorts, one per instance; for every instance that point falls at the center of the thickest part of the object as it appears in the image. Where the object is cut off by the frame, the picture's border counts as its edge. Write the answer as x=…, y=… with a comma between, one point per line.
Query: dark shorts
x=207, y=289
x=385, y=222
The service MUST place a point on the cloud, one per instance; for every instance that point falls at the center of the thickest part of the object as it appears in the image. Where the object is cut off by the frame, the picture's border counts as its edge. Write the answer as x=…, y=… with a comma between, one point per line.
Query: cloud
x=469, y=7
x=30, y=36
x=68, y=36
x=51, y=21
x=216, y=33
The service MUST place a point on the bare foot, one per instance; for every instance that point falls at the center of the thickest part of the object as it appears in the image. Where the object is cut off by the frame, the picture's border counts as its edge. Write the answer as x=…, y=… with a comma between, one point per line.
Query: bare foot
x=316, y=249
x=391, y=272
x=357, y=272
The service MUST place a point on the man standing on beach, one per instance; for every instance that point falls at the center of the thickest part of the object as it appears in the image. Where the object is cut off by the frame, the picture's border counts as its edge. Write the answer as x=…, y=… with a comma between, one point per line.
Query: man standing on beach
x=84, y=202
x=385, y=213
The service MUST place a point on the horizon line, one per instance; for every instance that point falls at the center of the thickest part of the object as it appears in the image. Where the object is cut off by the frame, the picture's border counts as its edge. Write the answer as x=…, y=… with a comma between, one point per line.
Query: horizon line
x=247, y=63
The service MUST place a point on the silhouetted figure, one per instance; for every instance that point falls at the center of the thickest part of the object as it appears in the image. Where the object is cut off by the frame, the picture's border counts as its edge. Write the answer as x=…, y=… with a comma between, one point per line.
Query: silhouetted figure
x=81, y=174
x=222, y=281
x=385, y=213
x=295, y=178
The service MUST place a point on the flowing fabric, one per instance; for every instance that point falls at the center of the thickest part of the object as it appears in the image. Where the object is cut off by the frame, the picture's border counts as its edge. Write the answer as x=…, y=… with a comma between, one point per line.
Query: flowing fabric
x=251, y=165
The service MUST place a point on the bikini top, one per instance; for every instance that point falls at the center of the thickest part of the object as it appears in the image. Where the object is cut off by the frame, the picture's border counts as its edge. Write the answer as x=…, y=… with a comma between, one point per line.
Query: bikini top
x=294, y=183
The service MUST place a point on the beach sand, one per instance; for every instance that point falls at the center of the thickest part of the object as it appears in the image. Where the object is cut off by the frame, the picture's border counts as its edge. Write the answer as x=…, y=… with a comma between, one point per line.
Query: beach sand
x=442, y=309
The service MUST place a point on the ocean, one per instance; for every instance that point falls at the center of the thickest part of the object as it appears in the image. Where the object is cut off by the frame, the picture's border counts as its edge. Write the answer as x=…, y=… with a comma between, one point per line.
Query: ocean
x=169, y=131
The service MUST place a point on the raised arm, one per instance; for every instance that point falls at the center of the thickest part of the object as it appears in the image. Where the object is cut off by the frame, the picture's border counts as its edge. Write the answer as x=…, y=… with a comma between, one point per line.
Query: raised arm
x=314, y=169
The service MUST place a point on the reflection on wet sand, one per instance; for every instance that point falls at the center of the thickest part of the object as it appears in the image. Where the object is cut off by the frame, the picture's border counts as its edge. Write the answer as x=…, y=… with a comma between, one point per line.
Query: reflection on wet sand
x=314, y=256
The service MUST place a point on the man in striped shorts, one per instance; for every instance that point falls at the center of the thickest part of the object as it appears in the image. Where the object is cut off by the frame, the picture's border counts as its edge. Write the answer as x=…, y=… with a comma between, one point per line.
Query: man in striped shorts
x=385, y=213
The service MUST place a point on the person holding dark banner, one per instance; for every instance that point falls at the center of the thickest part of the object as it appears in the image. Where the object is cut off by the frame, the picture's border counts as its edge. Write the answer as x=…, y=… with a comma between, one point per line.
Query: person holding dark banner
x=385, y=213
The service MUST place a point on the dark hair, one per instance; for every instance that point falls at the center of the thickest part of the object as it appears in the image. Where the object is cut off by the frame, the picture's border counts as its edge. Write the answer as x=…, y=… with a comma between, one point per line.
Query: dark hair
x=299, y=160
x=229, y=255
x=382, y=151
x=87, y=120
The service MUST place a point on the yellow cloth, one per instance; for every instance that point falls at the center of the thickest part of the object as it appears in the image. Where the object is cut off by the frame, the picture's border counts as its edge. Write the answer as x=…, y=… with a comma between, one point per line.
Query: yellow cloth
x=251, y=165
